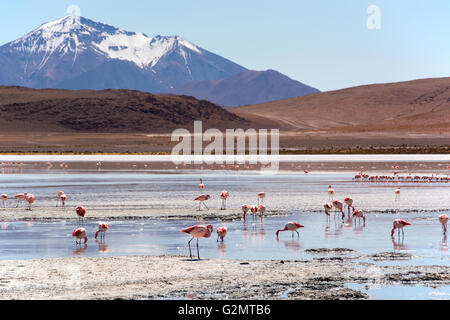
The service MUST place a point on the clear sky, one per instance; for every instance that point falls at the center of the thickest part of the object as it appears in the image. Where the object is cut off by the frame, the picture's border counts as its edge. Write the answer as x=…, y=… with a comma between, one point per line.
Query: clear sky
x=323, y=43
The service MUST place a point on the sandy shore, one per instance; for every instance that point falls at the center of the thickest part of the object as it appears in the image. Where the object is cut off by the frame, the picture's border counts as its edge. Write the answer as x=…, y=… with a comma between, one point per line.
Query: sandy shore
x=122, y=213
x=175, y=277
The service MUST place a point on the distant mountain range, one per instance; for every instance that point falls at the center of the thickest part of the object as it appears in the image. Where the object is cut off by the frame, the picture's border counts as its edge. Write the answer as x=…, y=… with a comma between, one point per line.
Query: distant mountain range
x=78, y=53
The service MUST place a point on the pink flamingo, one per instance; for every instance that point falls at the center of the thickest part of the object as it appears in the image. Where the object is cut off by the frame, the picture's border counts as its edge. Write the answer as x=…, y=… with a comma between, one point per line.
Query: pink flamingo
x=349, y=203
x=359, y=214
x=399, y=224
x=20, y=197
x=4, y=197
x=81, y=212
x=80, y=233
x=339, y=206
x=224, y=195
x=245, y=208
x=102, y=228
x=254, y=210
x=202, y=198
x=30, y=198
x=59, y=194
x=221, y=233
x=201, y=185
x=198, y=231
x=330, y=192
x=397, y=194
x=443, y=219
x=261, y=196
x=327, y=207
x=261, y=210
x=291, y=226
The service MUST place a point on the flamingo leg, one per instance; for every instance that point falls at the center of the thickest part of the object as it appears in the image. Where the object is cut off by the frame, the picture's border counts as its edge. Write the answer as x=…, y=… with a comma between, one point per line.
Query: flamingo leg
x=205, y=206
x=198, y=252
x=189, y=244
x=298, y=234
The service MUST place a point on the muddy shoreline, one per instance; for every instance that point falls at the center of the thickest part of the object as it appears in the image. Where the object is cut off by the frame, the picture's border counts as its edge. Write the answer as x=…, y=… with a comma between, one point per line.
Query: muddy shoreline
x=179, y=277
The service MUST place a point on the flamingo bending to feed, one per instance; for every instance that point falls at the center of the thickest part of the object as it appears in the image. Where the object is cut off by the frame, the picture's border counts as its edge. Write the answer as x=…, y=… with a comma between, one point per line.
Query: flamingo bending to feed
x=443, y=219
x=349, y=203
x=261, y=195
x=221, y=233
x=20, y=197
x=399, y=224
x=339, y=206
x=224, y=195
x=397, y=194
x=198, y=231
x=81, y=212
x=4, y=197
x=102, y=228
x=291, y=226
x=359, y=214
x=61, y=194
x=328, y=207
x=245, y=208
x=330, y=192
x=80, y=233
x=254, y=210
x=30, y=199
x=202, y=198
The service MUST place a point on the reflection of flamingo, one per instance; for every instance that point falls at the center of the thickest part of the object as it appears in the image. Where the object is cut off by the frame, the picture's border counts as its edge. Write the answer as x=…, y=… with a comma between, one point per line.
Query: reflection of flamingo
x=222, y=248
x=224, y=196
x=443, y=219
x=291, y=226
x=4, y=197
x=198, y=231
x=397, y=194
x=444, y=246
x=30, y=199
x=202, y=198
x=81, y=212
x=221, y=233
x=293, y=245
x=80, y=233
x=102, y=228
x=261, y=196
x=330, y=192
x=245, y=208
x=399, y=224
x=399, y=245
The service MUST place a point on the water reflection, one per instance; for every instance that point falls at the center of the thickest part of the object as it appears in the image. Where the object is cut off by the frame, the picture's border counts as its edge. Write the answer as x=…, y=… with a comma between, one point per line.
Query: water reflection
x=80, y=250
x=222, y=249
x=399, y=243
x=291, y=245
x=102, y=246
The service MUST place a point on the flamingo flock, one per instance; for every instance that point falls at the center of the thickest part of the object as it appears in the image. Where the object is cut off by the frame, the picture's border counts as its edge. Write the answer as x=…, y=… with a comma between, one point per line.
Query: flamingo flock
x=434, y=178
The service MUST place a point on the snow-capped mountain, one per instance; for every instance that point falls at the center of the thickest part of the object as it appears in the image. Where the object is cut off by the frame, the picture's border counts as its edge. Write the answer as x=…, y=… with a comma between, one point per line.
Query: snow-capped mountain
x=77, y=53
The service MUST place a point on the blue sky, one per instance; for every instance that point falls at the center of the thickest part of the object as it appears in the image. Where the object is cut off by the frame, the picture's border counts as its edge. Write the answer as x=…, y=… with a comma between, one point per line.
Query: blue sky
x=323, y=43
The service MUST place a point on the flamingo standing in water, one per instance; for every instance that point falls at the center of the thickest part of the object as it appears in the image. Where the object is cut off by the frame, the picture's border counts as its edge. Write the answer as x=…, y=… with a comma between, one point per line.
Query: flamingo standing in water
x=254, y=210
x=397, y=194
x=399, y=224
x=339, y=206
x=198, y=231
x=261, y=210
x=349, y=203
x=443, y=219
x=20, y=197
x=60, y=194
x=245, y=208
x=261, y=196
x=221, y=233
x=328, y=207
x=330, y=192
x=360, y=215
x=224, y=195
x=80, y=233
x=201, y=185
x=202, y=198
x=81, y=212
x=291, y=226
x=102, y=228
x=4, y=197
x=30, y=198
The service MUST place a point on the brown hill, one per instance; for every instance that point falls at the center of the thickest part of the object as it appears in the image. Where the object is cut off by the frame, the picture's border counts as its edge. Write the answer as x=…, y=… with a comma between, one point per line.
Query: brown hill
x=412, y=106
x=51, y=110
